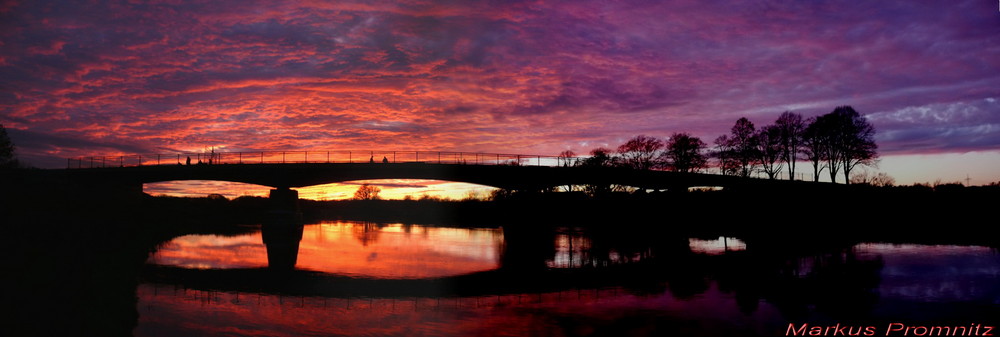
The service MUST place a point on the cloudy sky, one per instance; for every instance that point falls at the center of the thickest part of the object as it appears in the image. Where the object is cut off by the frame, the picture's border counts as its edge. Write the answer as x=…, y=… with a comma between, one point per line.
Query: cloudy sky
x=97, y=77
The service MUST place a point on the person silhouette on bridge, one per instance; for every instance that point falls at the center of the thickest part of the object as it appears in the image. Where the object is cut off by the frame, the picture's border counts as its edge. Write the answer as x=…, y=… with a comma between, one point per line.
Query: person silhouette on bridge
x=188, y=161
x=385, y=160
x=371, y=160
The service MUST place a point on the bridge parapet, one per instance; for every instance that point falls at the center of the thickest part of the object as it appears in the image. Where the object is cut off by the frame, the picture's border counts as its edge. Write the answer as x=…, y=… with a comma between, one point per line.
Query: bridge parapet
x=300, y=157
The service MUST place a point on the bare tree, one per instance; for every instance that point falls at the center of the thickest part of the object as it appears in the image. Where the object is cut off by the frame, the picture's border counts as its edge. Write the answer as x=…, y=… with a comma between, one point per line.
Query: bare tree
x=684, y=153
x=769, y=150
x=880, y=179
x=567, y=158
x=883, y=180
x=813, y=146
x=791, y=128
x=726, y=156
x=743, y=142
x=367, y=192
x=641, y=152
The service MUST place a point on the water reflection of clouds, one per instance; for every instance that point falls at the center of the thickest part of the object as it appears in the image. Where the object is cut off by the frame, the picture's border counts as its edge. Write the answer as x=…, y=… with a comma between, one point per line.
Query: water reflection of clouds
x=357, y=249
x=212, y=251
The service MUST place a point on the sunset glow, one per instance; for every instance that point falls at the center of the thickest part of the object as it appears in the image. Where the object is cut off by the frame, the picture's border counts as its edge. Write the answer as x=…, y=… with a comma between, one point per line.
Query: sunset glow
x=534, y=77
x=390, y=189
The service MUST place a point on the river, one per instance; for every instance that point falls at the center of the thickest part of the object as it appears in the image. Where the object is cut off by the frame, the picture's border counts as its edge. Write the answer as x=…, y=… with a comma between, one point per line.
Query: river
x=344, y=278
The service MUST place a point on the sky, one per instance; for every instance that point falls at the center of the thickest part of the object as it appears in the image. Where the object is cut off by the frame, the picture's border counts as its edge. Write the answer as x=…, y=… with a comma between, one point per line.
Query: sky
x=81, y=78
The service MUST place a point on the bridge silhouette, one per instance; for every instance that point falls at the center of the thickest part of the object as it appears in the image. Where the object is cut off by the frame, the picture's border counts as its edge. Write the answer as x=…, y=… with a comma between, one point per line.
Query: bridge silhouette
x=291, y=169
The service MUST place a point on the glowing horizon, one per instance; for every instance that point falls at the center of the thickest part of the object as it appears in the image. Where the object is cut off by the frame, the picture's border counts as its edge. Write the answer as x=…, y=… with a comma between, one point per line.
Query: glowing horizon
x=391, y=189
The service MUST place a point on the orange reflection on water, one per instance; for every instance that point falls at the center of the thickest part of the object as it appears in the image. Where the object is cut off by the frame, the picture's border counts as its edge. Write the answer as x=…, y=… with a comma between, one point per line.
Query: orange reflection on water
x=212, y=251
x=350, y=248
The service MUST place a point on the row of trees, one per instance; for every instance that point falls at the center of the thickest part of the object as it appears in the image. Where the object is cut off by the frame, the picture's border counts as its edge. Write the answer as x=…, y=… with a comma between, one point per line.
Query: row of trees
x=836, y=142
x=681, y=152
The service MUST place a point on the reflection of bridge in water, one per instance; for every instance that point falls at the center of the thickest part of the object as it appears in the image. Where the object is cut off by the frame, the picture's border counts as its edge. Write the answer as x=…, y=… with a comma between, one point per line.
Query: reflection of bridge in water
x=522, y=268
x=667, y=265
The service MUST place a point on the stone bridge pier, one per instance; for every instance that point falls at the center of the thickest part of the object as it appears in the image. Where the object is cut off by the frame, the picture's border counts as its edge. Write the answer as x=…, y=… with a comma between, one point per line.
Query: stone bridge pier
x=284, y=207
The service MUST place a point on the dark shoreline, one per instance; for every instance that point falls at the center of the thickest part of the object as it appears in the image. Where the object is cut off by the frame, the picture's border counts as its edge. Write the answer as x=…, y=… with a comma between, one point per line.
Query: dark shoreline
x=87, y=251
x=951, y=213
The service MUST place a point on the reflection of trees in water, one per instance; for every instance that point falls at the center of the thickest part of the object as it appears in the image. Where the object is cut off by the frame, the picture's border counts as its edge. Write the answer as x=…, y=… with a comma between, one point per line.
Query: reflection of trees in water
x=836, y=281
x=591, y=248
x=833, y=279
x=367, y=232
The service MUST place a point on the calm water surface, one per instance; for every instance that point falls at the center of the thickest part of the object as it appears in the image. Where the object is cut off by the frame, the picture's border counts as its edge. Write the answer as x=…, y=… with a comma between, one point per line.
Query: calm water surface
x=353, y=278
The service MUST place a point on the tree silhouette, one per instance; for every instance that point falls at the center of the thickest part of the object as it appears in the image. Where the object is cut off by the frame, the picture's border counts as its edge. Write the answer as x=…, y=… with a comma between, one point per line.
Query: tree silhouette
x=880, y=179
x=8, y=158
x=684, y=153
x=769, y=150
x=367, y=192
x=857, y=139
x=813, y=146
x=726, y=155
x=567, y=158
x=842, y=139
x=599, y=157
x=743, y=143
x=791, y=128
x=641, y=152
x=831, y=140
x=845, y=139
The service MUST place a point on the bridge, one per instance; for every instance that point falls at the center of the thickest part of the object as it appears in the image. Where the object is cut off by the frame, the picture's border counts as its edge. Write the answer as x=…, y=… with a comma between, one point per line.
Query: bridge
x=291, y=169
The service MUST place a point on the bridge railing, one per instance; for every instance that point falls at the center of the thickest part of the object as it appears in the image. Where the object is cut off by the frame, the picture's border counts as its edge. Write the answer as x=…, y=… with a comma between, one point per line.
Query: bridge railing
x=288, y=157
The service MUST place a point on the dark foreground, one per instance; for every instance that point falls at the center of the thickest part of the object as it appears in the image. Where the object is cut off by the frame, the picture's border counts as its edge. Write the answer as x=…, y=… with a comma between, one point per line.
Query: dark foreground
x=78, y=265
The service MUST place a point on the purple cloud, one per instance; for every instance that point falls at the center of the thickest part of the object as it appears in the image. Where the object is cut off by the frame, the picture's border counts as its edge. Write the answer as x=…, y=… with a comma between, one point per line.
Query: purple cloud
x=527, y=76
